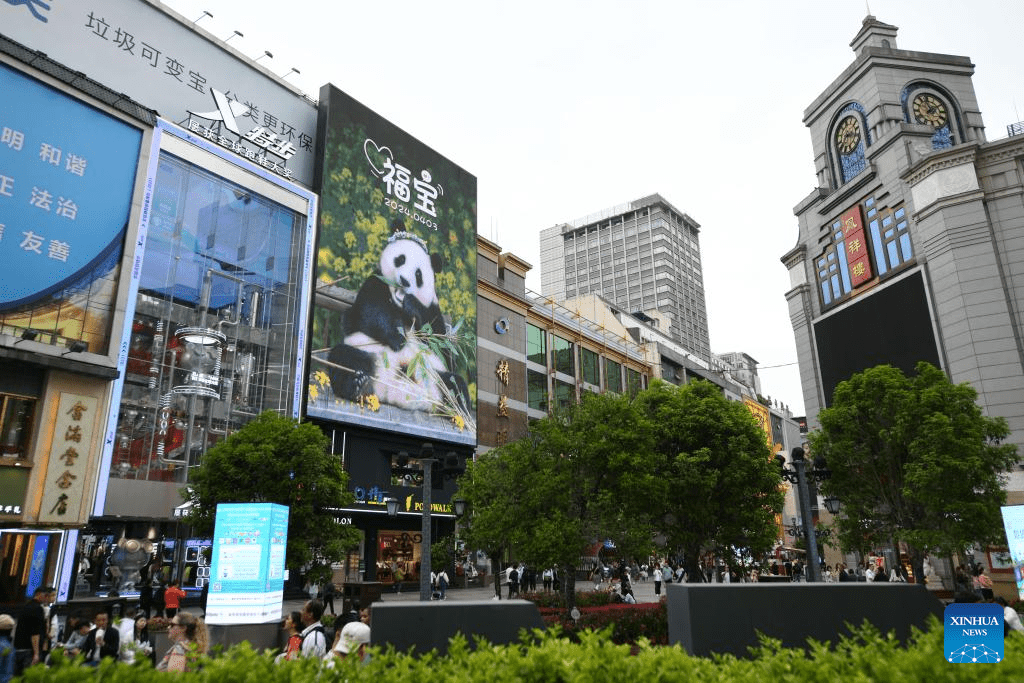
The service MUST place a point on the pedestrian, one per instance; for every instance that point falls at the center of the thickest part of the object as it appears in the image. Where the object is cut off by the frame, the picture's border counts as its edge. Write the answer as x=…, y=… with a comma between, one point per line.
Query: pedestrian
x=442, y=584
x=982, y=583
x=1011, y=620
x=6, y=648
x=137, y=641
x=352, y=641
x=657, y=579
x=513, y=582
x=30, y=636
x=145, y=596
x=314, y=636
x=103, y=641
x=189, y=642
x=158, y=598
x=546, y=579
x=291, y=626
x=172, y=598
x=329, y=592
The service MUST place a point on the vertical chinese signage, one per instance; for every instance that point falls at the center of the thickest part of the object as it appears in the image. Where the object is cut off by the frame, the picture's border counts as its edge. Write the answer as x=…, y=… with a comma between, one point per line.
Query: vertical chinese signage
x=502, y=430
x=250, y=541
x=763, y=417
x=66, y=177
x=394, y=325
x=67, y=472
x=856, y=246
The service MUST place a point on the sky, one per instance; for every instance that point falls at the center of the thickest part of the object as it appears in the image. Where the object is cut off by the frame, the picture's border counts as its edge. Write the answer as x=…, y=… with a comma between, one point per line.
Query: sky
x=564, y=108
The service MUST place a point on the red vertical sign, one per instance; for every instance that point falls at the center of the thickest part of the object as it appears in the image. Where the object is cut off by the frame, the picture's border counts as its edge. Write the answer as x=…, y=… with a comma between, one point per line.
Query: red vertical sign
x=856, y=246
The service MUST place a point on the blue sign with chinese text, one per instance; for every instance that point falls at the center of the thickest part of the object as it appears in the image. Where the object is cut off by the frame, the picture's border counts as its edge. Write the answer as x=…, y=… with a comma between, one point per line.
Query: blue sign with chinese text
x=66, y=176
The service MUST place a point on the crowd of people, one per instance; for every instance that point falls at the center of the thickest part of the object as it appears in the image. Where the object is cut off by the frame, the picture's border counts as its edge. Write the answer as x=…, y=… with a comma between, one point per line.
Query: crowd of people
x=38, y=635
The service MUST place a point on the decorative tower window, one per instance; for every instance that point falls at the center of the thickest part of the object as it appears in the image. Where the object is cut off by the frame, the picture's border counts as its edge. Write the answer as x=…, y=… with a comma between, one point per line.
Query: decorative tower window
x=851, y=141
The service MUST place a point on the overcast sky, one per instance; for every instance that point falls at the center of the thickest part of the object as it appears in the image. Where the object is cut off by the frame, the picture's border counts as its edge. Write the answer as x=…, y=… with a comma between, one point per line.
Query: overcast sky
x=561, y=109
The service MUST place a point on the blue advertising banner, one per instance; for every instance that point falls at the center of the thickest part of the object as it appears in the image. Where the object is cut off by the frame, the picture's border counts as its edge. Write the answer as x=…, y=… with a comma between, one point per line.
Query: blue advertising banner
x=66, y=175
x=37, y=570
x=248, y=557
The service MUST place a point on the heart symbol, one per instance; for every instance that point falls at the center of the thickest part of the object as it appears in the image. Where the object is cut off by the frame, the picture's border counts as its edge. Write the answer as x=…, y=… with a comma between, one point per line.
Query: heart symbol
x=374, y=153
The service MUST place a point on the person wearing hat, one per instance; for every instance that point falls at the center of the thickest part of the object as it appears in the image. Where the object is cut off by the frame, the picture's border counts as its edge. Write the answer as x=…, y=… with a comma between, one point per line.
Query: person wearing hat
x=354, y=638
x=6, y=648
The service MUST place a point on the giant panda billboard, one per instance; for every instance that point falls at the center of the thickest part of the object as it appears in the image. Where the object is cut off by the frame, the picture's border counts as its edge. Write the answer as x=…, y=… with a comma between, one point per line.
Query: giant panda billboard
x=394, y=320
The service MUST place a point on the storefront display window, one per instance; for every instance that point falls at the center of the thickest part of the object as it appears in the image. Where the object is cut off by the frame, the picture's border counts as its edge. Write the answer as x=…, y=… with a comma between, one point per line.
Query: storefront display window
x=16, y=414
x=214, y=333
x=398, y=556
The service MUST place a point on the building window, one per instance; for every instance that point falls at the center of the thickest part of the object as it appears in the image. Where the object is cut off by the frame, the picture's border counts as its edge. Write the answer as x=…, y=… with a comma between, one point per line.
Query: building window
x=589, y=368
x=537, y=388
x=890, y=239
x=16, y=417
x=634, y=383
x=613, y=376
x=536, y=345
x=564, y=356
x=565, y=394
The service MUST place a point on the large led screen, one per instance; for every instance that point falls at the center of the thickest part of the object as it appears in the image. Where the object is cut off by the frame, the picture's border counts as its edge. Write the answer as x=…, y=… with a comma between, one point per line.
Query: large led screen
x=891, y=326
x=394, y=323
x=1013, y=523
x=66, y=178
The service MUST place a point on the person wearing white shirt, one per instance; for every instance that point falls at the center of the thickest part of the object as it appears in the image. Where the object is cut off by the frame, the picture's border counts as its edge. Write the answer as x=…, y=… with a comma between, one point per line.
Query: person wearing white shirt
x=314, y=638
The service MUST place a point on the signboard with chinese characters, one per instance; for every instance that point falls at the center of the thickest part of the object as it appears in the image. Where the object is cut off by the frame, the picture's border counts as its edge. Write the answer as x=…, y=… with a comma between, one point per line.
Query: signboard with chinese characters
x=856, y=246
x=160, y=61
x=66, y=178
x=67, y=472
x=763, y=417
x=250, y=541
x=394, y=325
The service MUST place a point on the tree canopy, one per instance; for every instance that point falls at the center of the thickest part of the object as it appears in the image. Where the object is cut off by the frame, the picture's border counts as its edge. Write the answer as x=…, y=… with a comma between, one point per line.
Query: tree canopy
x=722, y=488
x=275, y=459
x=682, y=461
x=581, y=476
x=913, y=459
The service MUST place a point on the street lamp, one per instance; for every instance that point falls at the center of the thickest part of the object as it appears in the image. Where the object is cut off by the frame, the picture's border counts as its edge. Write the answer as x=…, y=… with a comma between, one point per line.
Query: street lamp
x=448, y=464
x=798, y=475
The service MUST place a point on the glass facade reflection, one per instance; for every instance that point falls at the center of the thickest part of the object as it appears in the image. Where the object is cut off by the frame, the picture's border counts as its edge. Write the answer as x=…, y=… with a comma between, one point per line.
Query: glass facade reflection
x=214, y=333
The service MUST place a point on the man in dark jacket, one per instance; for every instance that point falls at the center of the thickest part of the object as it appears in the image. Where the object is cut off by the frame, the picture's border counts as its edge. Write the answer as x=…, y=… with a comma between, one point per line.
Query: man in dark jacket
x=101, y=641
x=30, y=637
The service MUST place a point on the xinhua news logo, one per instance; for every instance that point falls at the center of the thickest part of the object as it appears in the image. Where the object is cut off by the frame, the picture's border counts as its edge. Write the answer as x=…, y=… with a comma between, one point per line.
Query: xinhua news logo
x=973, y=633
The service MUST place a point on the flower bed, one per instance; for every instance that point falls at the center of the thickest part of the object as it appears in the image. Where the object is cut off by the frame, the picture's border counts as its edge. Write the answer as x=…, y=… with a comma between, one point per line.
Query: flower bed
x=628, y=623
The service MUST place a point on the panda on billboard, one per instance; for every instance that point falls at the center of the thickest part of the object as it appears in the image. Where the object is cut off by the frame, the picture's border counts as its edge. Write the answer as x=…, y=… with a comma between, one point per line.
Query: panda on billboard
x=391, y=347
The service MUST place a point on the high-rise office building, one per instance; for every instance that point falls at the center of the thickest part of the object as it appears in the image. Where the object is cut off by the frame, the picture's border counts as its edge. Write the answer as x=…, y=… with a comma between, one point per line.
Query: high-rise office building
x=641, y=256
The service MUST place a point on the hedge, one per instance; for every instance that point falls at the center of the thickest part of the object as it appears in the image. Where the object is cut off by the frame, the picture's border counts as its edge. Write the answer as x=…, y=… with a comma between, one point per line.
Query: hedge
x=548, y=657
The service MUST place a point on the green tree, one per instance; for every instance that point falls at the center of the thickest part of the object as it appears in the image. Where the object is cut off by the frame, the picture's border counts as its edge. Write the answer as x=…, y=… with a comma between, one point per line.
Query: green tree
x=583, y=475
x=913, y=459
x=275, y=459
x=722, y=488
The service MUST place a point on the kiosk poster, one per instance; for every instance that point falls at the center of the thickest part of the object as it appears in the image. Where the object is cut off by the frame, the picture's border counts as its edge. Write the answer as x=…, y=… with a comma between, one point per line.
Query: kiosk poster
x=247, y=571
x=1013, y=523
x=394, y=321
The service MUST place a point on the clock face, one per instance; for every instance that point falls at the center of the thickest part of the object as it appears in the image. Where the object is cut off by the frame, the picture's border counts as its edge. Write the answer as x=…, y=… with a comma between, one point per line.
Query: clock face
x=848, y=135
x=930, y=111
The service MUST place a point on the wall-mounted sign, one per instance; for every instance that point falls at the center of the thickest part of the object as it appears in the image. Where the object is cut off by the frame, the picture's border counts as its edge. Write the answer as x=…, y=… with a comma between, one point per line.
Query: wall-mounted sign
x=66, y=177
x=134, y=47
x=67, y=471
x=856, y=245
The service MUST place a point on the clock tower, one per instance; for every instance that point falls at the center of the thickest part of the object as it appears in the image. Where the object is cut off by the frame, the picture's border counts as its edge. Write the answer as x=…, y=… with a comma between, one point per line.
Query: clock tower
x=911, y=243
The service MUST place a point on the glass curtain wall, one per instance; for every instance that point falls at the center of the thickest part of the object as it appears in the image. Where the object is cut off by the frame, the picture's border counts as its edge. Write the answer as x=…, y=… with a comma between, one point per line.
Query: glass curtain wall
x=214, y=333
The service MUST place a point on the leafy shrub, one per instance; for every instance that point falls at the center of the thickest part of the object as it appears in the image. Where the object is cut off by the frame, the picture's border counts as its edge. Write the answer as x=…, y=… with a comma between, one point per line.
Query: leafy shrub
x=865, y=656
x=583, y=599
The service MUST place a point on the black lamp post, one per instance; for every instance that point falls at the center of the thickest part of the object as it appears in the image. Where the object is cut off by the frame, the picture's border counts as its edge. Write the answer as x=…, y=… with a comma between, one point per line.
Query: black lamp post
x=447, y=465
x=798, y=475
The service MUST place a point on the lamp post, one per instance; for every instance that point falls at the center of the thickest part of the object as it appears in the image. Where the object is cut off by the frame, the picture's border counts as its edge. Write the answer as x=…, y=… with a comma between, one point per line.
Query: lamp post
x=798, y=475
x=449, y=464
